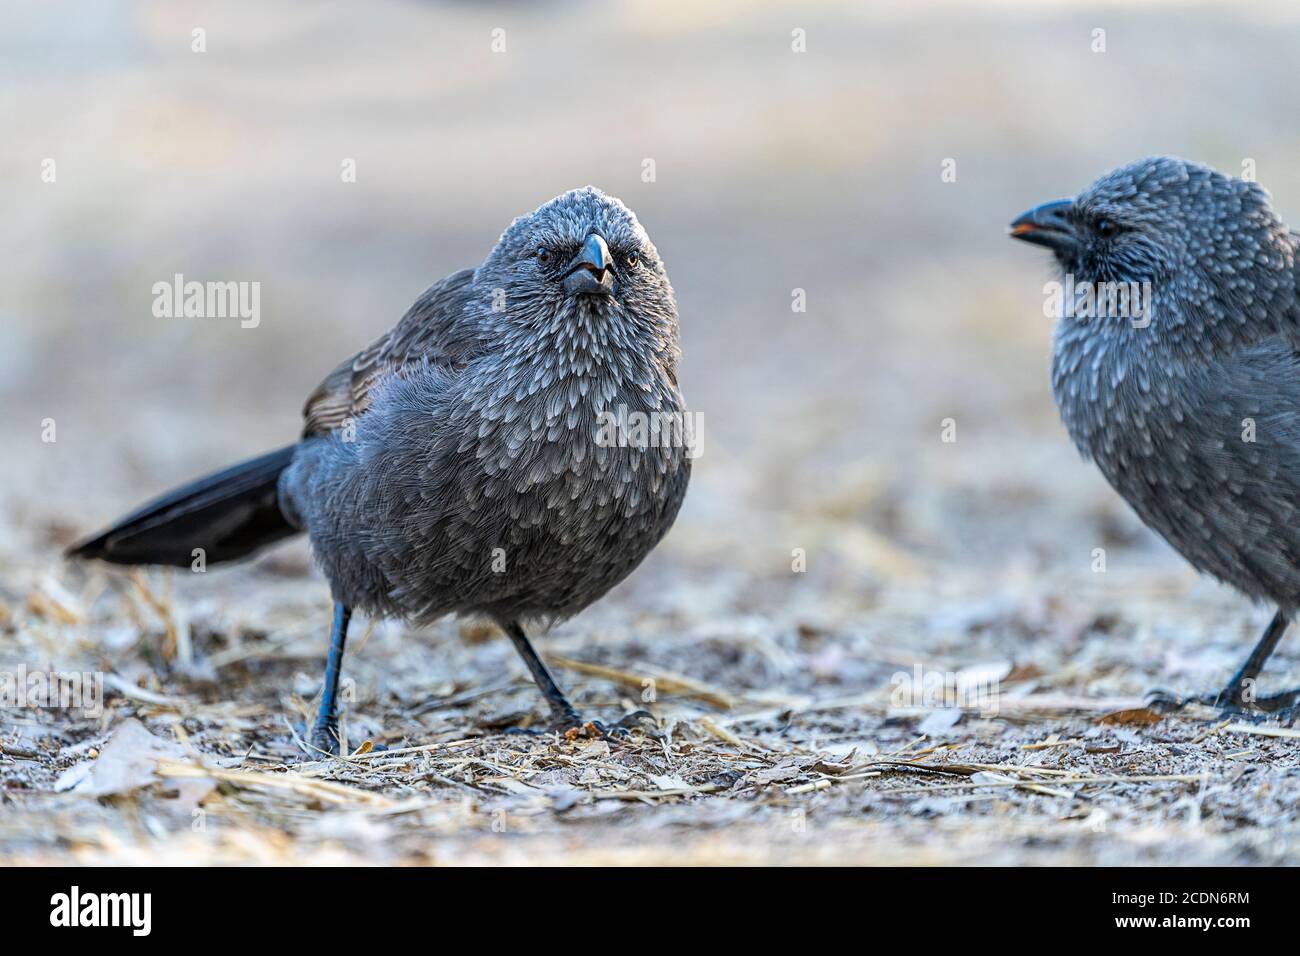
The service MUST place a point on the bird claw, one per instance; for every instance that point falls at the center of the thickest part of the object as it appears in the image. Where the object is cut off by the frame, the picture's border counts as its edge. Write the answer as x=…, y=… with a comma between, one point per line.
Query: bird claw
x=1285, y=705
x=1274, y=704
x=573, y=726
x=321, y=741
x=619, y=730
x=641, y=720
x=1166, y=702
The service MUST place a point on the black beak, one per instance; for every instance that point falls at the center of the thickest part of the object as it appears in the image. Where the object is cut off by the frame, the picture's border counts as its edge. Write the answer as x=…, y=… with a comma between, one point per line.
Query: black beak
x=1047, y=225
x=589, y=271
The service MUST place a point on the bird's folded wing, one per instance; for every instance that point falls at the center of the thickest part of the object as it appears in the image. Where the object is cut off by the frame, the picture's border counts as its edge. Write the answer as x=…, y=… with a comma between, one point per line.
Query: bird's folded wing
x=434, y=330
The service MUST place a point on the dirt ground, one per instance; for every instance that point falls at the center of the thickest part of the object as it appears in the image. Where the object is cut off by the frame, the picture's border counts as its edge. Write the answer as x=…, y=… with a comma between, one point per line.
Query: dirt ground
x=781, y=737
x=835, y=552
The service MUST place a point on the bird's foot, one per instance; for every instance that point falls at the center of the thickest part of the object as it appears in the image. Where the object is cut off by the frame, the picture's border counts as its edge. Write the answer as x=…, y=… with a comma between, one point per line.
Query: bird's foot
x=622, y=728
x=1278, y=703
x=1284, y=707
x=320, y=741
x=1229, y=704
x=573, y=726
x=1166, y=702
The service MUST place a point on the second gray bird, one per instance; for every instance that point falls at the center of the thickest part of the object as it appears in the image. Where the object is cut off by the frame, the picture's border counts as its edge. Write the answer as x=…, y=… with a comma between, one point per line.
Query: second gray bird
x=1189, y=403
x=466, y=462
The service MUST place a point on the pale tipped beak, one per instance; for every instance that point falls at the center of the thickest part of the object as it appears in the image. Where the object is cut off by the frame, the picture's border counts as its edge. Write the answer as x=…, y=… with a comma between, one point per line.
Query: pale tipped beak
x=590, y=272
x=1048, y=225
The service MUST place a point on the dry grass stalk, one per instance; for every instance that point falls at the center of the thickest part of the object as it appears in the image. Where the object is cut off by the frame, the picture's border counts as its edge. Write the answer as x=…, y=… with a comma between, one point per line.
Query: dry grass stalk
x=664, y=681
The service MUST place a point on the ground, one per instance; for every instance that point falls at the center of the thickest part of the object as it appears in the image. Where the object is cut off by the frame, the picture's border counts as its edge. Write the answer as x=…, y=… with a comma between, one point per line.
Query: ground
x=884, y=497
x=778, y=741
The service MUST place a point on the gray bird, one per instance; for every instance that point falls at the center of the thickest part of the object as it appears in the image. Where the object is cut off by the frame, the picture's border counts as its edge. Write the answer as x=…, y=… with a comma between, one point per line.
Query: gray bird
x=465, y=462
x=1188, y=402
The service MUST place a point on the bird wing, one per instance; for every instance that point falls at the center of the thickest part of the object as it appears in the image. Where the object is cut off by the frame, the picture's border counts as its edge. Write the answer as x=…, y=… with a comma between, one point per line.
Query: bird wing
x=434, y=330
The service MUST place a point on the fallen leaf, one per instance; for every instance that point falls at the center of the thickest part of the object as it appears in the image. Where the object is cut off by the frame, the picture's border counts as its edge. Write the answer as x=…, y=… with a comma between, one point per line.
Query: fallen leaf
x=776, y=774
x=1137, y=716
x=125, y=763
x=939, y=721
x=668, y=781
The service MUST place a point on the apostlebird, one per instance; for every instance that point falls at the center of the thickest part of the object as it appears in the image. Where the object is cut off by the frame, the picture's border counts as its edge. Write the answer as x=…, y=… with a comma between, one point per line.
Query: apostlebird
x=1175, y=369
x=475, y=460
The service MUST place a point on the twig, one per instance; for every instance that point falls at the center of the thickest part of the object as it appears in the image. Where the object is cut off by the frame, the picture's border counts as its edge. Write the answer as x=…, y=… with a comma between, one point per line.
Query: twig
x=323, y=790
x=127, y=689
x=653, y=794
x=22, y=753
x=1262, y=731
x=664, y=681
x=1049, y=744
x=722, y=733
x=1139, y=778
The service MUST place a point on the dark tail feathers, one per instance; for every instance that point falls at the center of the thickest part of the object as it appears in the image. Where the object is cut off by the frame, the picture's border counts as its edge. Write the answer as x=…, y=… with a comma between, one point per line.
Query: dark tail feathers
x=229, y=515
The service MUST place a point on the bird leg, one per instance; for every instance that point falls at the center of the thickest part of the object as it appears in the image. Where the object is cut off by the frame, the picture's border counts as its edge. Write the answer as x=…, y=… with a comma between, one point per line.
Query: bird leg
x=1283, y=704
x=324, y=735
x=567, y=719
x=1238, y=696
x=1239, y=692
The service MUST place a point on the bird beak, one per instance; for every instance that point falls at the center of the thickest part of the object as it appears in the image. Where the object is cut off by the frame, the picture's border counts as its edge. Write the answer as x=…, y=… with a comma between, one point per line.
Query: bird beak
x=1046, y=225
x=589, y=271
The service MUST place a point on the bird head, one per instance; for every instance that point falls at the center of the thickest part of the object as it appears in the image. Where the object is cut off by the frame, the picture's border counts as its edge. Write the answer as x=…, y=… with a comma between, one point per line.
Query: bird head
x=581, y=258
x=1209, y=246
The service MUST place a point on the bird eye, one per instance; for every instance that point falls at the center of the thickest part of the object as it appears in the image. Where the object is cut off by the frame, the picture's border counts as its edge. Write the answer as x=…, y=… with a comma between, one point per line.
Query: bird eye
x=543, y=254
x=1106, y=227
x=633, y=260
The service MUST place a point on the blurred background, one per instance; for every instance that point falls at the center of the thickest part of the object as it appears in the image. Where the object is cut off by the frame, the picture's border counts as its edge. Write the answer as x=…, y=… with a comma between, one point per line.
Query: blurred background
x=774, y=170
